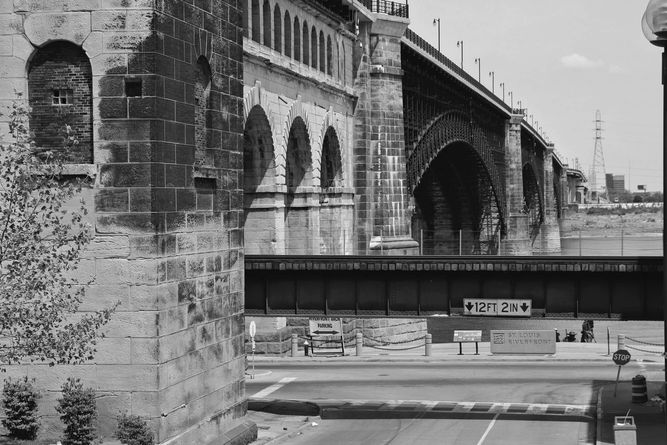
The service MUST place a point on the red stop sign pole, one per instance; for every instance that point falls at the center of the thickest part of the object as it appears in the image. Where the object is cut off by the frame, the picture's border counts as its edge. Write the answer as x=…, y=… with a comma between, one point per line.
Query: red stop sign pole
x=620, y=357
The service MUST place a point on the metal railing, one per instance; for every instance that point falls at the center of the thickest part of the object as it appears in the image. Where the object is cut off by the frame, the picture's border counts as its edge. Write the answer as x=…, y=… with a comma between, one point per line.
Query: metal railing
x=387, y=7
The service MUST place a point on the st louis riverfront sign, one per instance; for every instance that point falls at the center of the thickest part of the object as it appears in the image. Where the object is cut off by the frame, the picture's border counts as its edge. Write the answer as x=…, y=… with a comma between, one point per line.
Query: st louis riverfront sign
x=497, y=307
x=523, y=342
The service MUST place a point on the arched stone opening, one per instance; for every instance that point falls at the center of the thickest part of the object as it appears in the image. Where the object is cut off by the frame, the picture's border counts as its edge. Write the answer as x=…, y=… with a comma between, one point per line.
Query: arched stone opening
x=456, y=205
x=298, y=180
x=256, y=28
x=323, y=60
x=305, y=40
x=297, y=39
x=202, y=92
x=258, y=176
x=331, y=174
x=333, y=213
x=313, y=47
x=288, y=35
x=60, y=94
x=277, y=29
x=266, y=26
x=532, y=201
x=329, y=56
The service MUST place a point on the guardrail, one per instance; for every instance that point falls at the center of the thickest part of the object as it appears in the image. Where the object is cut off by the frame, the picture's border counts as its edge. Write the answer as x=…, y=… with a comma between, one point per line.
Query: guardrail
x=387, y=7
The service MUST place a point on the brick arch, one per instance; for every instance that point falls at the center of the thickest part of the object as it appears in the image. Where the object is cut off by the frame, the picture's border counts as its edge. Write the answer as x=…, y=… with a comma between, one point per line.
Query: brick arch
x=60, y=93
x=453, y=129
x=532, y=200
x=255, y=96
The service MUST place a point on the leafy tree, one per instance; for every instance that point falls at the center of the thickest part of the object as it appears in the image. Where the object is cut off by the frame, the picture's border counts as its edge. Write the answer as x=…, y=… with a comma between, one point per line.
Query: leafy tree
x=40, y=246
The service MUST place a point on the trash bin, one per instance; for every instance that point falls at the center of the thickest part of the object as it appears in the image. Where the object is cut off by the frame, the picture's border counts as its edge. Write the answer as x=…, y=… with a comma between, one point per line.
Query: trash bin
x=639, y=389
x=305, y=347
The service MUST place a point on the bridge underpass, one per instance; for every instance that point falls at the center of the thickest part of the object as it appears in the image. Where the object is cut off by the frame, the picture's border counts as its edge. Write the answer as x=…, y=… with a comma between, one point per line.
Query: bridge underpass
x=380, y=286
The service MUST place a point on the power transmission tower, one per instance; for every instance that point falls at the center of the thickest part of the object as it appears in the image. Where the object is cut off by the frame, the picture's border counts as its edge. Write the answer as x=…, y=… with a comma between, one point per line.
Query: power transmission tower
x=597, y=178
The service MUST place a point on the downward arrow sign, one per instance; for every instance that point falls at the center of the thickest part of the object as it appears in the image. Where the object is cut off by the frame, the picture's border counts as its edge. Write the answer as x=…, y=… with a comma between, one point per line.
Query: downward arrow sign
x=524, y=307
x=469, y=307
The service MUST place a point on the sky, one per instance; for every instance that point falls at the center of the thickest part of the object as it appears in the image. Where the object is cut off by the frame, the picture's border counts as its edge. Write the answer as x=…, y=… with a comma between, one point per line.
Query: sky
x=564, y=60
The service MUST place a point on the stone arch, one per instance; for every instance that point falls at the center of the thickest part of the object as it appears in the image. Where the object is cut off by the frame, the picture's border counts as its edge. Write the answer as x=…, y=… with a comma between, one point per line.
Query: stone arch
x=202, y=93
x=287, y=28
x=323, y=54
x=305, y=43
x=277, y=29
x=297, y=39
x=532, y=200
x=329, y=123
x=266, y=25
x=297, y=110
x=331, y=170
x=470, y=188
x=313, y=47
x=329, y=56
x=256, y=26
x=60, y=85
x=258, y=177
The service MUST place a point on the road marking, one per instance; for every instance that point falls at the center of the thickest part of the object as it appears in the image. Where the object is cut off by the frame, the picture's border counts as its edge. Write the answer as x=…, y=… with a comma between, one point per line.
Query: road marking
x=275, y=387
x=488, y=429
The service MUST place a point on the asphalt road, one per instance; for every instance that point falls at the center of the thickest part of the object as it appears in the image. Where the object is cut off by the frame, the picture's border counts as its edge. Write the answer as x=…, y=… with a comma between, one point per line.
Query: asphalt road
x=544, y=383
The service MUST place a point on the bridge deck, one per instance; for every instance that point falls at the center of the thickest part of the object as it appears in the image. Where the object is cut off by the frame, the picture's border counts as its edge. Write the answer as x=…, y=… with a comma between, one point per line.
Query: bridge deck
x=623, y=287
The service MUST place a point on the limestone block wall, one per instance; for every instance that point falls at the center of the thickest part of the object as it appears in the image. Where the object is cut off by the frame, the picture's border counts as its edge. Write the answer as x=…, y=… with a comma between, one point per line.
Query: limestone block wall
x=281, y=218
x=168, y=230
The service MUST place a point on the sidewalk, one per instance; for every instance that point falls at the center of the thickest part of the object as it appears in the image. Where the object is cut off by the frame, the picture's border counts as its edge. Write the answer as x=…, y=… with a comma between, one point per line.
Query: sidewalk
x=648, y=417
x=450, y=352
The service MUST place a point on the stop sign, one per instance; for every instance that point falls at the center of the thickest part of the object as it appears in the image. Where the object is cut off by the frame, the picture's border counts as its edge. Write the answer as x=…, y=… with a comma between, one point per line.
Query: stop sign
x=621, y=357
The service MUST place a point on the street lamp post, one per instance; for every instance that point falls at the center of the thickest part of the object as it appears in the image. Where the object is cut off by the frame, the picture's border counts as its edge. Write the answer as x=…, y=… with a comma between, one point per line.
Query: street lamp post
x=502, y=85
x=478, y=62
x=531, y=120
x=438, y=22
x=519, y=104
x=654, y=26
x=459, y=44
x=493, y=81
x=511, y=101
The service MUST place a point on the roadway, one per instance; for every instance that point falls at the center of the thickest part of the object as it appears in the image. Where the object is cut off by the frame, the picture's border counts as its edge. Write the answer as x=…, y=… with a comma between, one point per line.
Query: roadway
x=542, y=384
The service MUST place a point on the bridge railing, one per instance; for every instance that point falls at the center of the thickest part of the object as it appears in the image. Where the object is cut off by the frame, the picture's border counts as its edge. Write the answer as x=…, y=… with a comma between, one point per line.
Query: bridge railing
x=388, y=7
x=433, y=52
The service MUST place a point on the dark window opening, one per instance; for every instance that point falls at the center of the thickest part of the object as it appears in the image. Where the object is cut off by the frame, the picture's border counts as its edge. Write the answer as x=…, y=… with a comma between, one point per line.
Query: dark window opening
x=62, y=97
x=133, y=87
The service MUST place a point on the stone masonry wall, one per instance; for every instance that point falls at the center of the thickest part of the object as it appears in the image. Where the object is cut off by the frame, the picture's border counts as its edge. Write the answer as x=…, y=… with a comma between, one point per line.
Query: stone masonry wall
x=168, y=236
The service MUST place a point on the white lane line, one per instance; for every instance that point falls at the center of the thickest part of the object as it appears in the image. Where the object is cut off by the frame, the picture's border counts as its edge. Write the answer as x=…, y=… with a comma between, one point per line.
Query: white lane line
x=275, y=387
x=488, y=429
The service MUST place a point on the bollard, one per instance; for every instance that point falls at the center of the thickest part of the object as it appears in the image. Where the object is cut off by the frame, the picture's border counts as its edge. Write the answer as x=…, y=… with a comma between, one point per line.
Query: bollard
x=295, y=345
x=360, y=343
x=625, y=430
x=621, y=341
x=639, y=389
x=427, y=345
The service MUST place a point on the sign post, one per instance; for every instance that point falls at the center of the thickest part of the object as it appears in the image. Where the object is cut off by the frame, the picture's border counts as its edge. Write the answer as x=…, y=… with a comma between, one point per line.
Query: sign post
x=620, y=357
x=326, y=327
x=252, y=330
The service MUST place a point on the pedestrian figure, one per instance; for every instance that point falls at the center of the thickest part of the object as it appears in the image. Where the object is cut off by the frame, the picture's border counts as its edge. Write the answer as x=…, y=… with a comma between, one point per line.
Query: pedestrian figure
x=587, y=335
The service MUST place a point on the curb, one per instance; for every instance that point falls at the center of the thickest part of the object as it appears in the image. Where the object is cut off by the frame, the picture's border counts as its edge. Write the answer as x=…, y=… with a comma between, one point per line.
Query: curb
x=598, y=417
x=424, y=359
x=413, y=409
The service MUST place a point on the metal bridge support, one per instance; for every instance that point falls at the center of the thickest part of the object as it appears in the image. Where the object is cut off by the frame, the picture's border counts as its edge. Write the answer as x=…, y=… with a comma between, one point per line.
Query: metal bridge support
x=384, y=195
x=550, y=233
x=518, y=240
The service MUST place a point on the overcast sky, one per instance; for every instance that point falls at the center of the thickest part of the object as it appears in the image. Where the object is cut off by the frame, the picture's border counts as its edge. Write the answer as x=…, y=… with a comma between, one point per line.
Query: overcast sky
x=564, y=60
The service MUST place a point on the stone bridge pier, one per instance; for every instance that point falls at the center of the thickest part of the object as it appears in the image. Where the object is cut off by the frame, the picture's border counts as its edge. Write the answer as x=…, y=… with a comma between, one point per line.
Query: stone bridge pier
x=385, y=203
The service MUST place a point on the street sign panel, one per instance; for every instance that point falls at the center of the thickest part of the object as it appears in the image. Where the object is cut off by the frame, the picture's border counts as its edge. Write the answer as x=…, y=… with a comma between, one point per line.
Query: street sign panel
x=621, y=357
x=467, y=336
x=495, y=307
x=325, y=326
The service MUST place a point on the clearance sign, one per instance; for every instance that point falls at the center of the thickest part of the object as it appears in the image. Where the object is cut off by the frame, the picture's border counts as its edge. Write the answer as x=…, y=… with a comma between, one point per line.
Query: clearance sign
x=497, y=307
